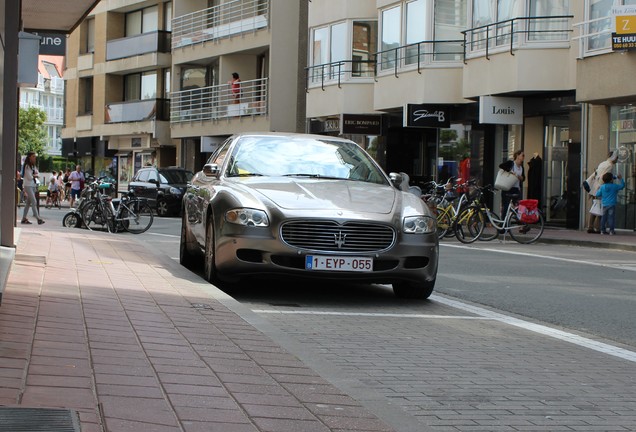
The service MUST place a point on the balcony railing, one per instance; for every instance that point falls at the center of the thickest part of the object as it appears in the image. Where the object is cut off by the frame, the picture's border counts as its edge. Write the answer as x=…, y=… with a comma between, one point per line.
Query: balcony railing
x=515, y=33
x=594, y=36
x=222, y=21
x=337, y=72
x=217, y=102
x=420, y=54
x=157, y=41
x=134, y=111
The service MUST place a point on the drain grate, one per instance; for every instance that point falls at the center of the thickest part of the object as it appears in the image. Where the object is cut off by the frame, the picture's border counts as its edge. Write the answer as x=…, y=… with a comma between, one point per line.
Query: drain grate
x=38, y=419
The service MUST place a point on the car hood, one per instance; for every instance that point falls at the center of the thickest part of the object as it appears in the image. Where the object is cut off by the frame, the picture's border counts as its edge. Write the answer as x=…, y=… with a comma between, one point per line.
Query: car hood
x=312, y=194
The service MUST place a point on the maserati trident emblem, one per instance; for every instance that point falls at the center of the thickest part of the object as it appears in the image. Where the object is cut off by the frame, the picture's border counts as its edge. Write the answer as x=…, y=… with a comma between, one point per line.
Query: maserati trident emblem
x=339, y=239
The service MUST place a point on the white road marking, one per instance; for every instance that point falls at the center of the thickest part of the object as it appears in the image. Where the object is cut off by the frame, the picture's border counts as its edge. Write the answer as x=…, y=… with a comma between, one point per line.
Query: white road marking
x=535, y=255
x=163, y=235
x=541, y=329
x=482, y=314
x=364, y=314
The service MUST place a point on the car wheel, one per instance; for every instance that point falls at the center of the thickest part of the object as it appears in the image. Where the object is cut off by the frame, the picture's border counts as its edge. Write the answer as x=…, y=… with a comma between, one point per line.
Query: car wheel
x=186, y=258
x=162, y=208
x=414, y=290
x=209, y=268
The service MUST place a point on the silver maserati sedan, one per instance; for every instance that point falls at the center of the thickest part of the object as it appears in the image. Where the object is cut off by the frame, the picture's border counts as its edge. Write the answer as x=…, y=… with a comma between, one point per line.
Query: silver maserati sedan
x=285, y=204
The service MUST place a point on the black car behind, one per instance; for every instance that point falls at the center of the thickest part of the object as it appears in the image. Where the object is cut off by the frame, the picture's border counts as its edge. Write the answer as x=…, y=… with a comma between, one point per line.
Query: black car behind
x=162, y=187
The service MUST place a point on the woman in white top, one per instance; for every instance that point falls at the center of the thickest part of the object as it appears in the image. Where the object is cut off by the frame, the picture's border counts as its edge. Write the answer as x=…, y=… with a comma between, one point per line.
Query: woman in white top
x=515, y=166
x=29, y=175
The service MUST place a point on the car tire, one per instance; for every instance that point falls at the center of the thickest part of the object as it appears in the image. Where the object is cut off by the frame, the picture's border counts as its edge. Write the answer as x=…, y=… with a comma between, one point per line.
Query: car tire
x=187, y=258
x=209, y=267
x=162, y=208
x=414, y=290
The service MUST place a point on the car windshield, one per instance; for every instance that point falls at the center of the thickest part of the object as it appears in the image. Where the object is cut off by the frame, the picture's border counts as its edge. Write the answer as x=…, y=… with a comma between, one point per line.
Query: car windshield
x=175, y=176
x=302, y=157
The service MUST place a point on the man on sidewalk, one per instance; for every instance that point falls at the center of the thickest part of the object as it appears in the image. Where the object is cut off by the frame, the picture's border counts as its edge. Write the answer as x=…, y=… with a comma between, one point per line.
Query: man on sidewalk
x=77, y=179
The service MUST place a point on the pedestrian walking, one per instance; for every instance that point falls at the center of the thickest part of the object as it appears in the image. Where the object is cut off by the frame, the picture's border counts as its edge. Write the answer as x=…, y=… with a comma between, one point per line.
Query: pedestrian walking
x=29, y=177
x=608, y=192
x=76, y=178
x=514, y=166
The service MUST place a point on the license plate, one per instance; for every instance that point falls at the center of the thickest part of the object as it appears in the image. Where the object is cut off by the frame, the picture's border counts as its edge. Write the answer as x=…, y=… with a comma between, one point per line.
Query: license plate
x=336, y=263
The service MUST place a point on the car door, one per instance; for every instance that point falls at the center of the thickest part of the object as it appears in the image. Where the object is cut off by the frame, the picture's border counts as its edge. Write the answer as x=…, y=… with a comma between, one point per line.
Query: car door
x=143, y=186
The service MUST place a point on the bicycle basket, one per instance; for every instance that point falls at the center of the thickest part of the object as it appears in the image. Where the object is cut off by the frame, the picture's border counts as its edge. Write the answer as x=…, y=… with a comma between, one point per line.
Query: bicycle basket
x=528, y=210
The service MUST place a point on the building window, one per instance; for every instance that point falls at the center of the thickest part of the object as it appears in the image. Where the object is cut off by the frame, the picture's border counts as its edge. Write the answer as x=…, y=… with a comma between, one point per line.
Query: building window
x=85, y=105
x=390, y=37
x=142, y=21
x=140, y=86
x=334, y=56
x=450, y=18
x=88, y=37
x=165, y=93
x=167, y=16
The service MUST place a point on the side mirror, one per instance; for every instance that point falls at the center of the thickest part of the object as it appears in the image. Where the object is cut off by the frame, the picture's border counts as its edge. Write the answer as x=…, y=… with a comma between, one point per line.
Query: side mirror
x=396, y=179
x=153, y=181
x=211, y=170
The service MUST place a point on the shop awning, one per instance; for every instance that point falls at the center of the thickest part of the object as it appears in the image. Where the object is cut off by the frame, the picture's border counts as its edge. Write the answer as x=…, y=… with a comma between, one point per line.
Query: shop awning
x=55, y=15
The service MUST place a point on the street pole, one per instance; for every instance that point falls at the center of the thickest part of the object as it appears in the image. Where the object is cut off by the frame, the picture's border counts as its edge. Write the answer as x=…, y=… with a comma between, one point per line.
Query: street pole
x=9, y=122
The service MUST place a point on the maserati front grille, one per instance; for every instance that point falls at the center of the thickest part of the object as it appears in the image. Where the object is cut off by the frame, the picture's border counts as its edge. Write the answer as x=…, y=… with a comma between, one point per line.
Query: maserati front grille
x=330, y=236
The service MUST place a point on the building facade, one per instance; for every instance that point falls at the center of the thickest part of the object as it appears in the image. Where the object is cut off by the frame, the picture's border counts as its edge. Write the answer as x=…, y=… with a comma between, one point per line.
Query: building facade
x=432, y=88
x=118, y=87
x=458, y=85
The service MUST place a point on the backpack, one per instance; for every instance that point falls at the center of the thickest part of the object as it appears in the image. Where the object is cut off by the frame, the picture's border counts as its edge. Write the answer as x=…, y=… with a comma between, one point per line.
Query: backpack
x=528, y=211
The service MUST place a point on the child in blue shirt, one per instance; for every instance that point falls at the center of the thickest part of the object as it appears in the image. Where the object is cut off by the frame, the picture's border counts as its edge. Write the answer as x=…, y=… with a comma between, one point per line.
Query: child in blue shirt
x=608, y=193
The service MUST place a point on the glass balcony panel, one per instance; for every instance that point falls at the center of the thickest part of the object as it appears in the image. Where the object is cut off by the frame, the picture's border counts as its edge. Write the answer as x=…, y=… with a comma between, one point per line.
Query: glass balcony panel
x=123, y=112
x=145, y=43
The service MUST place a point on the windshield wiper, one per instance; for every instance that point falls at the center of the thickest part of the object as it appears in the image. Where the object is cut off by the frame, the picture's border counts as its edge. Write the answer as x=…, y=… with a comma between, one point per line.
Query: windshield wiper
x=314, y=176
x=246, y=175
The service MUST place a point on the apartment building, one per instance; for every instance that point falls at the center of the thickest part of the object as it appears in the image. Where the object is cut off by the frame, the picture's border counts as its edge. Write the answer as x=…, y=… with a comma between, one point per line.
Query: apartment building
x=264, y=42
x=118, y=80
x=48, y=95
x=456, y=86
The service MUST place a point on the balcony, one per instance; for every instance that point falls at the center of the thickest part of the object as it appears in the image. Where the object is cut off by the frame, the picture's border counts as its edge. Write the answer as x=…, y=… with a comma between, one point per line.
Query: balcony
x=217, y=102
x=217, y=22
x=595, y=36
x=158, y=41
x=517, y=33
x=419, y=55
x=335, y=73
x=137, y=111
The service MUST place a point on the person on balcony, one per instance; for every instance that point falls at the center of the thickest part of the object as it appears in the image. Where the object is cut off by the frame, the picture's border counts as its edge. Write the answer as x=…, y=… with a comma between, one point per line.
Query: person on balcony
x=235, y=86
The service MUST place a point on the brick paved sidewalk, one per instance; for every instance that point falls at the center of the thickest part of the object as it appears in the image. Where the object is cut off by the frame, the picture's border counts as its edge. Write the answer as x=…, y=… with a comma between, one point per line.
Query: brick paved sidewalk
x=97, y=323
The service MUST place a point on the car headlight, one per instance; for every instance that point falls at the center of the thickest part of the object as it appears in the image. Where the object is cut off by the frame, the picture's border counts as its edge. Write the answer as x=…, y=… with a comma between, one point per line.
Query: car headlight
x=418, y=225
x=175, y=191
x=247, y=217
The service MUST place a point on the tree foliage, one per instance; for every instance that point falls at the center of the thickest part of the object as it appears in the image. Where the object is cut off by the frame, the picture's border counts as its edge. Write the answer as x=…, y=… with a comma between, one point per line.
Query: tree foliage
x=32, y=134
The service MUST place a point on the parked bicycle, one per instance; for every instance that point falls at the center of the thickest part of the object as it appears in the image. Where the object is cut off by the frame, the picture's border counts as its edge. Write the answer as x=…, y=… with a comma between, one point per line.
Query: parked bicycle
x=73, y=219
x=523, y=221
x=128, y=213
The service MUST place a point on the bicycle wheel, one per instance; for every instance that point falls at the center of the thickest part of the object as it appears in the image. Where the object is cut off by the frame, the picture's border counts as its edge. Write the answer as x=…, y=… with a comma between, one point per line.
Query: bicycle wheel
x=525, y=233
x=136, y=216
x=469, y=224
x=443, y=223
x=92, y=216
x=490, y=231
